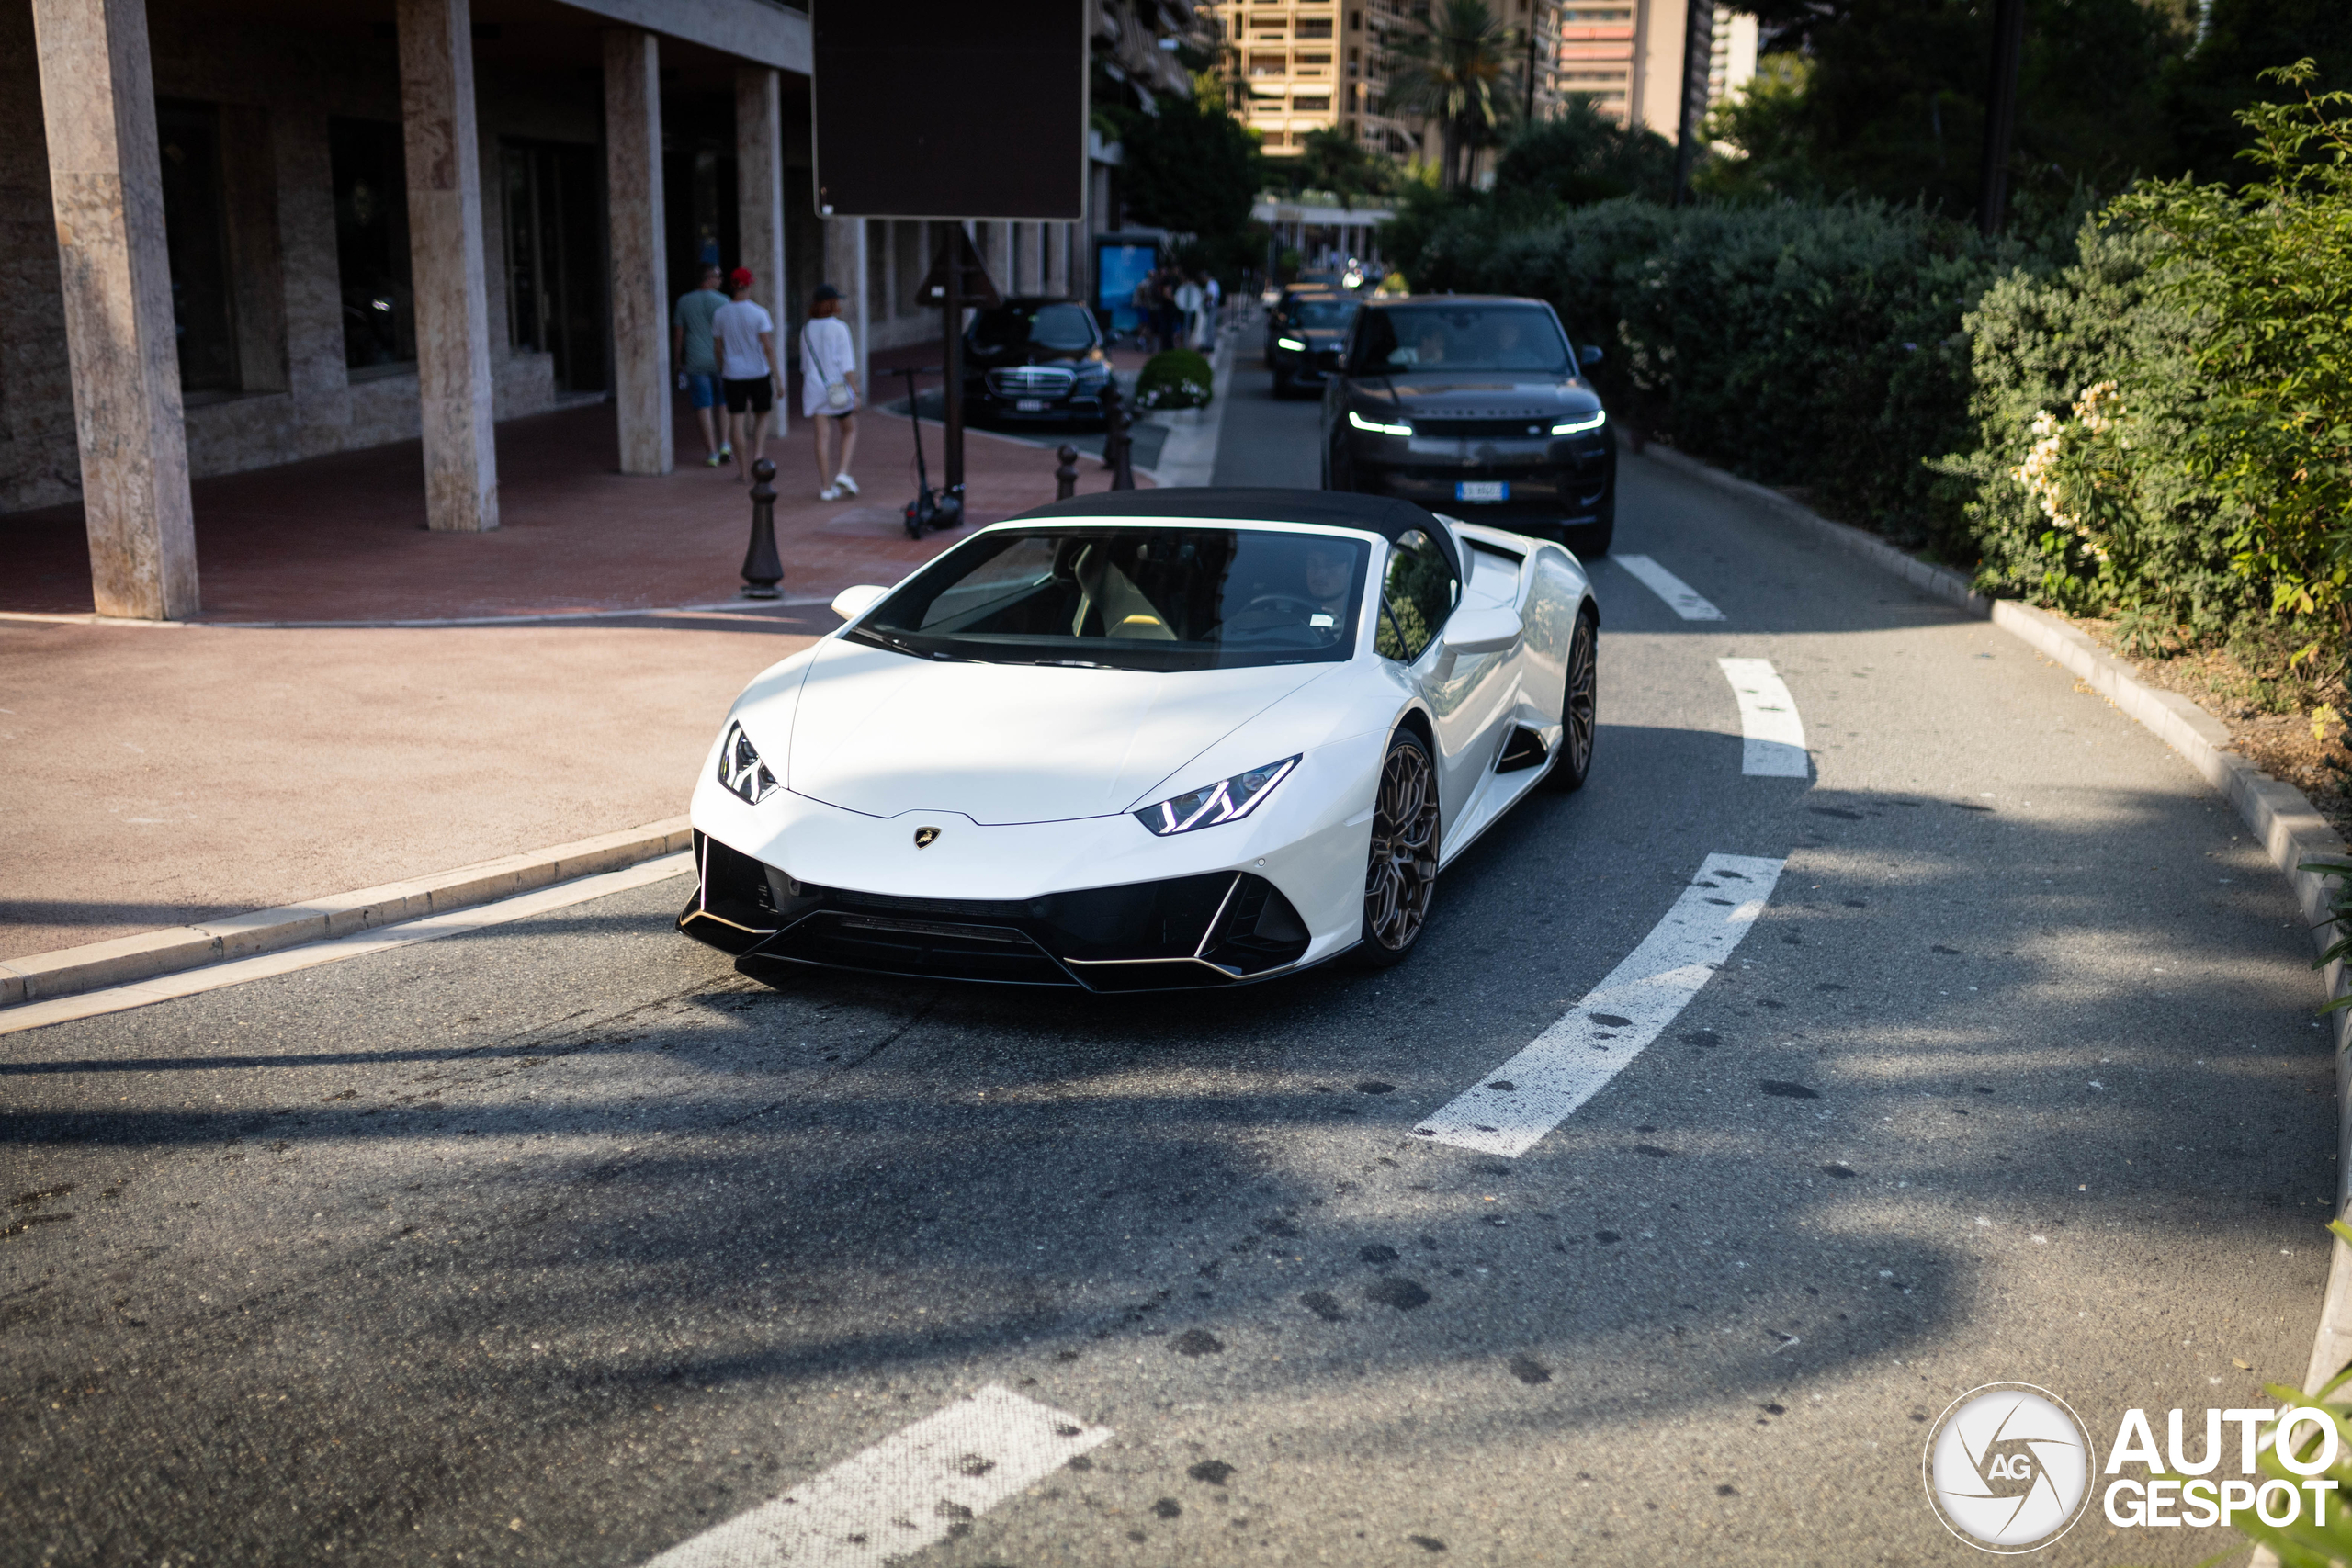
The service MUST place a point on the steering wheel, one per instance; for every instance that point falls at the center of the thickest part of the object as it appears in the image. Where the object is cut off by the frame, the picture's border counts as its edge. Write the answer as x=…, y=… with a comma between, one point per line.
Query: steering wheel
x=1306, y=608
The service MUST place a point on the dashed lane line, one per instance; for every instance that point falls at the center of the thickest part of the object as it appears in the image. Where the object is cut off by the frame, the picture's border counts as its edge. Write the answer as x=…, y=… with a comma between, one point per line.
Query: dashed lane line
x=904, y=1493
x=1773, y=743
x=238, y=972
x=1679, y=596
x=1514, y=1106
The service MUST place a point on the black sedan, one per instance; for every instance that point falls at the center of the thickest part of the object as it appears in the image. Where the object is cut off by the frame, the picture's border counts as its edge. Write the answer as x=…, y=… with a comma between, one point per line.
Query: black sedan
x=1035, y=361
x=1303, y=331
x=1477, y=407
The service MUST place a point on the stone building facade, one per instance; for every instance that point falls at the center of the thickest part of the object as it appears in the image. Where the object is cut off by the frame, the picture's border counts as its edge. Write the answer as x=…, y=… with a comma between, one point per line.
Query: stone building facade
x=236, y=233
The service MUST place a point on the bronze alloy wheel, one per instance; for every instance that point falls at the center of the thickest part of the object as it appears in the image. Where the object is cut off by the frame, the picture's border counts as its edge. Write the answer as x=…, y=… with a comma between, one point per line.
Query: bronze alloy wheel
x=1402, y=873
x=1579, y=706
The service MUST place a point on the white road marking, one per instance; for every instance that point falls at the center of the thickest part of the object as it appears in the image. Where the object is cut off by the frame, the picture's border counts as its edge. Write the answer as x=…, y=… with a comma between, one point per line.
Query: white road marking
x=212, y=978
x=1515, y=1105
x=1774, y=744
x=1679, y=596
x=902, y=1494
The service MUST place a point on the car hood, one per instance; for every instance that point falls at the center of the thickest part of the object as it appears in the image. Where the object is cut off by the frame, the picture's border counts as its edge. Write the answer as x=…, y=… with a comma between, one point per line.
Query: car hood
x=882, y=733
x=1484, y=396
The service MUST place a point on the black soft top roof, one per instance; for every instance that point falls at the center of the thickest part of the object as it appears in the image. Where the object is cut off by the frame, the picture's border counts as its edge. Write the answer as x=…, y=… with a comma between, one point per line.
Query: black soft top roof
x=1382, y=514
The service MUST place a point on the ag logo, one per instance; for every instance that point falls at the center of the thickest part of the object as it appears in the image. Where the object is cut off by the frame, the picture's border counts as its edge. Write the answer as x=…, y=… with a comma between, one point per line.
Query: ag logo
x=926, y=837
x=2008, y=1467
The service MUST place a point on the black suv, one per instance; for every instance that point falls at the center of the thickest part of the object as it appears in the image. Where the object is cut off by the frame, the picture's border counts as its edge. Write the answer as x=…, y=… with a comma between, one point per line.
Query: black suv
x=1474, y=406
x=1035, y=360
x=1303, y=330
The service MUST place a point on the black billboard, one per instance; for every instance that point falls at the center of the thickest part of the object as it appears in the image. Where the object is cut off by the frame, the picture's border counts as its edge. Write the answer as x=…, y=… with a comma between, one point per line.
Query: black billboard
x=950, y=108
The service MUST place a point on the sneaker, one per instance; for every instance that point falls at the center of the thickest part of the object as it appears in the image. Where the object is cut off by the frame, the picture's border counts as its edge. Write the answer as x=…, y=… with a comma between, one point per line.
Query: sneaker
x=830, y=493
x=846, y=484
x=725, y=451
x=714, y=460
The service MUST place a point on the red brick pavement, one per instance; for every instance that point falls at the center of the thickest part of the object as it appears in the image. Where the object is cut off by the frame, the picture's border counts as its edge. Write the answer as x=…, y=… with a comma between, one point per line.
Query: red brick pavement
x=342, y=538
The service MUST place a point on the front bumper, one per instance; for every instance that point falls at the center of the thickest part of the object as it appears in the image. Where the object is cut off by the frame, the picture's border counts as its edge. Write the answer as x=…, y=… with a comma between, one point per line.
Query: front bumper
x=981, y=402
x=1212, y=929
x=1563, y=479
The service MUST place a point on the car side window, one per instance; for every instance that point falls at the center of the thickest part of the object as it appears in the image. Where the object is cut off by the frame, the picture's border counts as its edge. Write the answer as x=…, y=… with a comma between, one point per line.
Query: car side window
x=1416, y=598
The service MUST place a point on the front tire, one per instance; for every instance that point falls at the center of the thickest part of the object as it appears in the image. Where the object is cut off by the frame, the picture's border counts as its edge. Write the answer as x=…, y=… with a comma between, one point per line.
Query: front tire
x=1400, y=874
x=1580, y=708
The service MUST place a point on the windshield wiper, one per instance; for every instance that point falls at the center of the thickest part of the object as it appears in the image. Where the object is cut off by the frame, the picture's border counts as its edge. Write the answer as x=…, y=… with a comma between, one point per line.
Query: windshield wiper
x=900, y=645
x=1071, y=663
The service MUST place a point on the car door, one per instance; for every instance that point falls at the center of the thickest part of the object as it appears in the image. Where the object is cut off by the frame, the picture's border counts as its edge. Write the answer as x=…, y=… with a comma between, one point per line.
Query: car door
x=1417, y=599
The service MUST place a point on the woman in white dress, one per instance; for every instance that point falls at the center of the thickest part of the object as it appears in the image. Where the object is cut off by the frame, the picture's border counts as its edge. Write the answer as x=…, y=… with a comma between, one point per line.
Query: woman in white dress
x=829, y=389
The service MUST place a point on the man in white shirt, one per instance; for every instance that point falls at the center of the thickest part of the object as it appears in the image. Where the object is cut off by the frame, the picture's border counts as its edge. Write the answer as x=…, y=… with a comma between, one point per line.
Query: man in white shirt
x=750, y=374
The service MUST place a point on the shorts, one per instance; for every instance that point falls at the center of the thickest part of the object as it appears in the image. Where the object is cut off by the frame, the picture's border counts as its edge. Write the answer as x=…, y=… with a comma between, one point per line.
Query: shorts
x=703, y=387
x=756, y=391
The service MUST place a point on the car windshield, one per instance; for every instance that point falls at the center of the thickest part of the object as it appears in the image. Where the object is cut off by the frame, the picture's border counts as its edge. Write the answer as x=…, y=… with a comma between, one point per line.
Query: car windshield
x=1460, y=337
x=1128, y=598
x=1061, y=326
x=1323, y=315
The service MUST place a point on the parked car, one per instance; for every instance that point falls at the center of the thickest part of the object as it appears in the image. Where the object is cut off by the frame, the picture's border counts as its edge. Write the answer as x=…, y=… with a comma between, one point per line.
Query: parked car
x=1477, y=405
x=1035, y=360
x=1306, y=326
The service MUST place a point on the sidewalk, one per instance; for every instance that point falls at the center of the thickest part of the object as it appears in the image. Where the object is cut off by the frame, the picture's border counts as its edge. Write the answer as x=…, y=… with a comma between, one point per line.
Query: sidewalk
x=342, y=538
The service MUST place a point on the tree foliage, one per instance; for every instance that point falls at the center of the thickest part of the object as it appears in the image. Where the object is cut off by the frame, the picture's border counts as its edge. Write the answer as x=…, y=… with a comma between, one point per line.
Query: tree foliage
x=2268, y=269
x=1190, y=169
x=1456, y=67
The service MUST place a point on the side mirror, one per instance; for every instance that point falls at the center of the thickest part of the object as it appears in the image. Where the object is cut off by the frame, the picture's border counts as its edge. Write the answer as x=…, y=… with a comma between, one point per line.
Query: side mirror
x=852, y=602
x=1482, y=631
x=1589, y=354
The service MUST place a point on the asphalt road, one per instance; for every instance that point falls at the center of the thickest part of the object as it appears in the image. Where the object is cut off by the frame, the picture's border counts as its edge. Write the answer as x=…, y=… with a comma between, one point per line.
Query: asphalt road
x=562, y=1243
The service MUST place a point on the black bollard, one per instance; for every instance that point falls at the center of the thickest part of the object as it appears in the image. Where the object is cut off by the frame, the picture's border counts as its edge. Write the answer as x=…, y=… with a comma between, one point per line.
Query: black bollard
x=761, y=570
x=1066, y=476
x=1114, y=439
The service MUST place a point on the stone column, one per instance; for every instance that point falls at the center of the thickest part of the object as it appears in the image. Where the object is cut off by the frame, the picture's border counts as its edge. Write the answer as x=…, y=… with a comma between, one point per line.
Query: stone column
x=1056, y=258
x=759, y=198
x=845, y=270
x=106, y=184
x=436, y=48
x=640, y=267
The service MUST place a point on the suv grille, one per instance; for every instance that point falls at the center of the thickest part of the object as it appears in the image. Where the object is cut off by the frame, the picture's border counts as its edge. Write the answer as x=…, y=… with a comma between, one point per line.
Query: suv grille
x=1031, y=381
x=1490, y=429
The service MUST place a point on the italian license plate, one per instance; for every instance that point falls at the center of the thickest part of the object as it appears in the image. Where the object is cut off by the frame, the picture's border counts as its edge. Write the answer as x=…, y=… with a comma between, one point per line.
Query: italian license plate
x=1482, y=490
x=1030, y=405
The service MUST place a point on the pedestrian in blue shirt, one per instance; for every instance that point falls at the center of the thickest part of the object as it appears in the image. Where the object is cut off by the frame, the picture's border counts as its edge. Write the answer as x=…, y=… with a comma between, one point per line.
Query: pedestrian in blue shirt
x=697, y=360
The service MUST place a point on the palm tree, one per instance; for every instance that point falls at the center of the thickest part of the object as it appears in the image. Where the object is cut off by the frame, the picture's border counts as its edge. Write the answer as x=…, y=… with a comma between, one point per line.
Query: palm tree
x=1457, y=71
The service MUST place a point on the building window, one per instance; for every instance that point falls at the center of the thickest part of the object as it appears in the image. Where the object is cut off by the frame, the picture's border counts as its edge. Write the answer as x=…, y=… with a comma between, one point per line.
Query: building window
x=1266, y=65
x=555, y=288
x=195, y=239
x=1319, y=103
x=1314, y=27
x=371, y=243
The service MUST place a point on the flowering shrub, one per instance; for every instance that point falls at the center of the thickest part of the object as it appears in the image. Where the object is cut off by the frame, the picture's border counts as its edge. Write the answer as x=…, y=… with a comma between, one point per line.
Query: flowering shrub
x=1178, y=379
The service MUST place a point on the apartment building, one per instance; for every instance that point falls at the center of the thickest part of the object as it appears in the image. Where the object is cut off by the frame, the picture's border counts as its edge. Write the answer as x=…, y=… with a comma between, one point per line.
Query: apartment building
x=1309, y=66
x=1627, y=55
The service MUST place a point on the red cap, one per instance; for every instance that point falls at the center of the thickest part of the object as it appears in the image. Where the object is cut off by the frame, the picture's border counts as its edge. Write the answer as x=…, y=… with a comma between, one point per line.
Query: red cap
x=740, y=278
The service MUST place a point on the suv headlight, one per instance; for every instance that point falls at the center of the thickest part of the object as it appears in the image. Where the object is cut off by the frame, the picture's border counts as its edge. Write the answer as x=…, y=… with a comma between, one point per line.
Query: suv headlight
x=1581, y=423
x=1227, y=800
x=1290, y=342
x=741, y=770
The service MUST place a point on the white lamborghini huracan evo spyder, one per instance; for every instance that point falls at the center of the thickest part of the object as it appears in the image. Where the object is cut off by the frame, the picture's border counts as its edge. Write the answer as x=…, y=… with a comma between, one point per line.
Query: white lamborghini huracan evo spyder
x=1146, y=739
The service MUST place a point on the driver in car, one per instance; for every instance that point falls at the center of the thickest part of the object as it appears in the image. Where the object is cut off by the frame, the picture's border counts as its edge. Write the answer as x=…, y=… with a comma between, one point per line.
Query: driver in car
x=1329, y=571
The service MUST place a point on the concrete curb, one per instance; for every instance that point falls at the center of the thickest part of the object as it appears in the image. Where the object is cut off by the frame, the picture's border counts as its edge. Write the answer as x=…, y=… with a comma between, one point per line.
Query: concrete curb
x=2290, y=830
x=95, y=965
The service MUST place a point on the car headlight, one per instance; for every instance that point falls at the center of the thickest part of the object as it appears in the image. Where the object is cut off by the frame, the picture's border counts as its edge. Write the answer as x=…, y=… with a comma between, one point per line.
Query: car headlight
x=1377, y=428
x=1227, y=800
x=1592, y=421
x=741, y=770
x=1290, y=342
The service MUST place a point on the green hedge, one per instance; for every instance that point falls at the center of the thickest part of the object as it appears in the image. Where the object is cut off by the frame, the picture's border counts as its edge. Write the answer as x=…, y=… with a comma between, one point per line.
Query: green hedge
x=1174, y=378
x=1813, y=346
